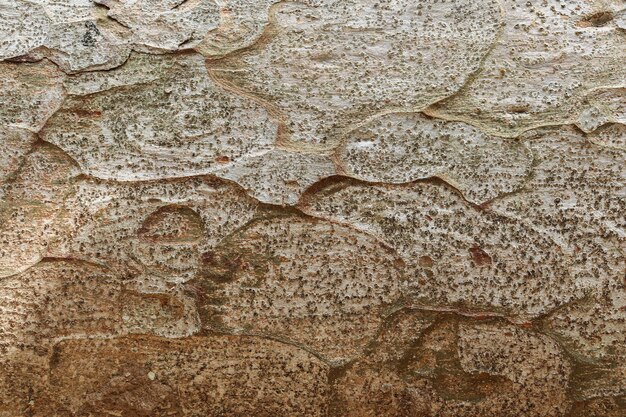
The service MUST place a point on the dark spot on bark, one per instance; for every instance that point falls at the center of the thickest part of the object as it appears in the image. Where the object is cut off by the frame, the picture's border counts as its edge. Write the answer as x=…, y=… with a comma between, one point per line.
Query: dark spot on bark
x=92, y=32
x=597, y=19
x=219, y=267
x=86, y=113
x=425, y=261
x=479, y=256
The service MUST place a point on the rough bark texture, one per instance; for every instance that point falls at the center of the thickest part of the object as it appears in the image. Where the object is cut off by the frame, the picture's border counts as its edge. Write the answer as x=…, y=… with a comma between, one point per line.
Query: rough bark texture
x=334, y=208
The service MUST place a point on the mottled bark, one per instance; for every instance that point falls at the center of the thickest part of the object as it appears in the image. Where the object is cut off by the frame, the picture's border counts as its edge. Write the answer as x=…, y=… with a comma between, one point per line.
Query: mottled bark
x=334, y=208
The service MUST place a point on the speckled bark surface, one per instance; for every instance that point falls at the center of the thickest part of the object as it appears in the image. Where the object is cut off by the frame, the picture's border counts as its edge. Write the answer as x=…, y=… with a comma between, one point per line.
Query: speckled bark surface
x=363, y=208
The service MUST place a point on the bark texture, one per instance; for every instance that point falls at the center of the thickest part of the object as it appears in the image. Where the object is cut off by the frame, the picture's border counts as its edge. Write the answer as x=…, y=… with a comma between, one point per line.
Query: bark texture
x=334, y=208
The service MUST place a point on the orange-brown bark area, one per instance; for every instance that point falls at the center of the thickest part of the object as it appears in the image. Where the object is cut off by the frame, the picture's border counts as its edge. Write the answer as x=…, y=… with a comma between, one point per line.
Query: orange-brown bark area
x=320, y=208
